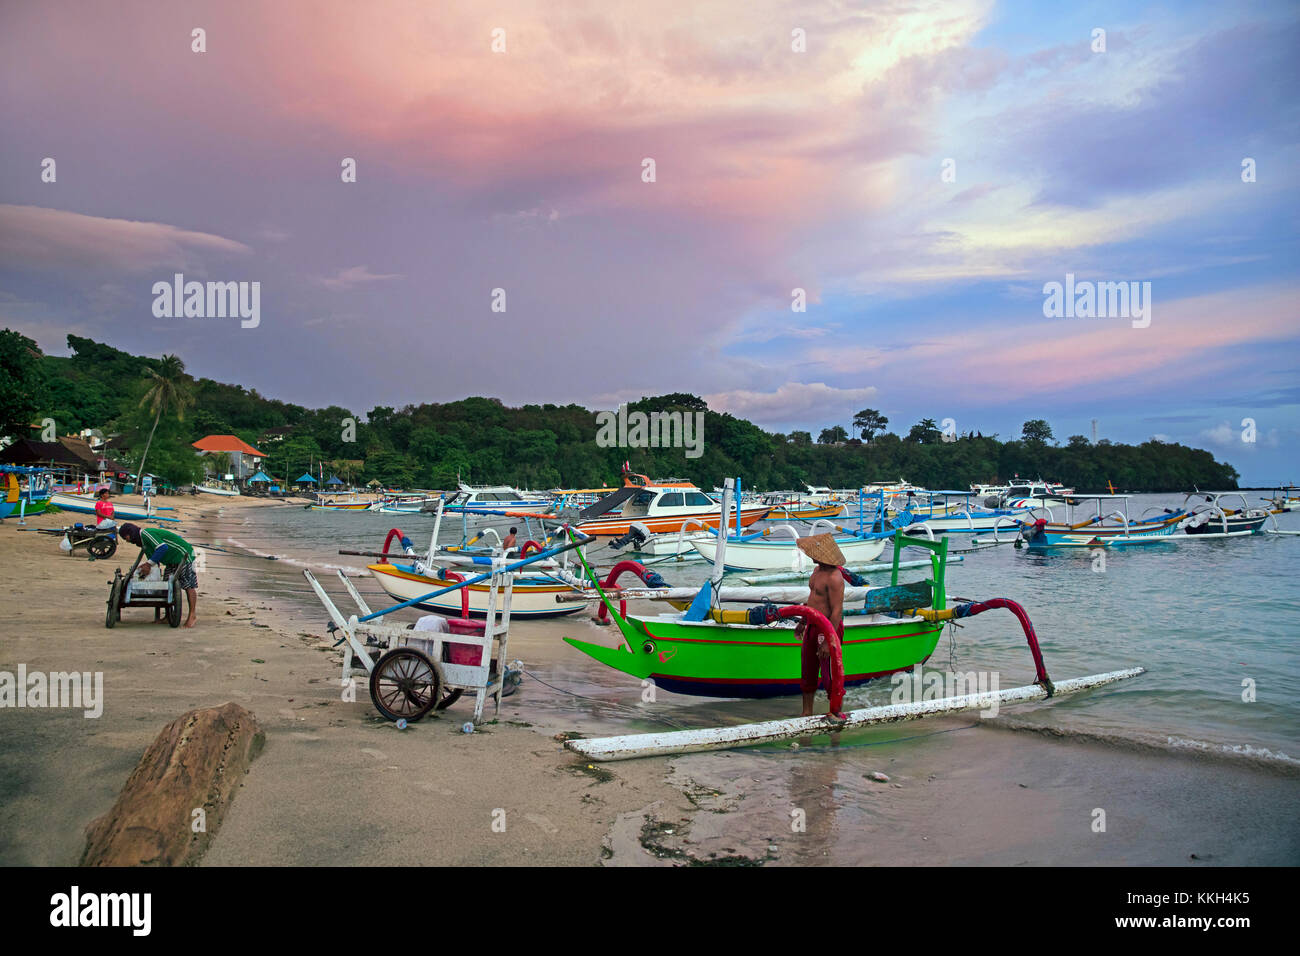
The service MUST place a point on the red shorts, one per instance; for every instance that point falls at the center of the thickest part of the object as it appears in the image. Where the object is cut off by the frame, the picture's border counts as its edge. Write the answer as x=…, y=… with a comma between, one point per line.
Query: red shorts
x=827, y=672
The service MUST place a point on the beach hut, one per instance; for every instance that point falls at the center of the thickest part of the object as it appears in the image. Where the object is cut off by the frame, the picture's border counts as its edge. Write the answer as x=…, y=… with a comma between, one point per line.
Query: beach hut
x=334, y=481
x=305, y=482
x=261, y=476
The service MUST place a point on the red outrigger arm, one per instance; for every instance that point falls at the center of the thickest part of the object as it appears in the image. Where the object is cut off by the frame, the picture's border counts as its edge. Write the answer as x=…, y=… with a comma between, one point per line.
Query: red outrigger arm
x=979, y=607
x=648, y=578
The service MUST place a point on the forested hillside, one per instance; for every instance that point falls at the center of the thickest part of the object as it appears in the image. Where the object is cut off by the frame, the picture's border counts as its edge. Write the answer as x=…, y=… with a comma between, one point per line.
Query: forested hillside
x=542, y=446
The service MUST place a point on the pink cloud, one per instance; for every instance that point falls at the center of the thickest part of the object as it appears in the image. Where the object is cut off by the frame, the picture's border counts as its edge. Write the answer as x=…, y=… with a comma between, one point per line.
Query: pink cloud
x=51, y=239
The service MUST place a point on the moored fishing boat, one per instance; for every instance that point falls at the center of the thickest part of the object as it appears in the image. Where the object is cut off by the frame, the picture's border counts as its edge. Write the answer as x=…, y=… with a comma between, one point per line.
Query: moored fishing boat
x=1029, y=494
x=1213, y=518
x=212, y=490
x=751, y=653
x=86, y=505
x=779, y=551
x=952, y=512
x=661, y=507
x=18, y=500
x=707, y=650
x=534, y=594
x=796, y=506
x=407, y=574
x=1109, y=528
x=499, y=497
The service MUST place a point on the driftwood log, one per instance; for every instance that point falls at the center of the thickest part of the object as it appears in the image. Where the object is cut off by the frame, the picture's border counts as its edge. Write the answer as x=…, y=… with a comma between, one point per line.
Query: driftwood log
x=179, y=792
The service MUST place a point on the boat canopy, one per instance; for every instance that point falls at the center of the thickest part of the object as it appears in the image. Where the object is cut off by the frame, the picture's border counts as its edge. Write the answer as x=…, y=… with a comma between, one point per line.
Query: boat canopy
x=608, y=503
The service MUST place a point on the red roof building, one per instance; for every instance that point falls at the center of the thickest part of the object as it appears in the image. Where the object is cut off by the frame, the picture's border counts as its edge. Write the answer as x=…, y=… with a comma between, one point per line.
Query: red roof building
x=237, y=448
x=229, y=443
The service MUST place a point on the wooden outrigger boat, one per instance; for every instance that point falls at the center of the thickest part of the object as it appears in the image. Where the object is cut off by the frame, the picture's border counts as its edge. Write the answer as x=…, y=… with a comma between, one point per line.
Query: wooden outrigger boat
x=747, y=654
x=86, y=505
x=18, y=501
x=705, y=650
x=343, y=503
x=214, y=490
x=796, y=506
x=534, y=594
x=1101, y=529
x=1284, y=499
x=951, y=512
x=1218, y=521
x=709, y=651
x=409, y=576
x=776, y=548
x=779, y=550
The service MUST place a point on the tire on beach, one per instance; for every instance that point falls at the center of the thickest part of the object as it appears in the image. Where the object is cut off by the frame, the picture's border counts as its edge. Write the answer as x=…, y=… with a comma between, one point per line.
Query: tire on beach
x=174, y=603
x=102, y=547
x=450, y=698
x=405, y=684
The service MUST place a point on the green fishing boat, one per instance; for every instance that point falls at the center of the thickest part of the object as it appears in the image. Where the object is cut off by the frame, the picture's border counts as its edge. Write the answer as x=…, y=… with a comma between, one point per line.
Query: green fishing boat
x=705, y=651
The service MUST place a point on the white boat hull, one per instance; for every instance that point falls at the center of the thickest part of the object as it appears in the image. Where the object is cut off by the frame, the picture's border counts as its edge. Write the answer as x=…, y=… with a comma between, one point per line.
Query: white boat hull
x=664, y=544
x=87, y=506
x=972, y=524
x=783, y=555
x=533, y=596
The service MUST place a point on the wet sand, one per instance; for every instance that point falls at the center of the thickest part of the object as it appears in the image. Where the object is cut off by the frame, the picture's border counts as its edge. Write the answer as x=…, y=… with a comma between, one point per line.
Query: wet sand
x=336, y=784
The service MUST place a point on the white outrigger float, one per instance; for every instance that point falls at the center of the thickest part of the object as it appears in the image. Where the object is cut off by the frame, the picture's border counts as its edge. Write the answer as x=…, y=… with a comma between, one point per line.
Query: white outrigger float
x=631, y=746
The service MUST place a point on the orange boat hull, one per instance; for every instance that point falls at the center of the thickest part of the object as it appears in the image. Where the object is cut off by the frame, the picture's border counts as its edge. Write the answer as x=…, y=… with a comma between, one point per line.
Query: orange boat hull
x=615, y=526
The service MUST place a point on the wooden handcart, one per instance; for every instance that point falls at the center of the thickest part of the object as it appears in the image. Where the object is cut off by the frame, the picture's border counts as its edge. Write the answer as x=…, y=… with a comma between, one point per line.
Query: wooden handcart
x=163, y=594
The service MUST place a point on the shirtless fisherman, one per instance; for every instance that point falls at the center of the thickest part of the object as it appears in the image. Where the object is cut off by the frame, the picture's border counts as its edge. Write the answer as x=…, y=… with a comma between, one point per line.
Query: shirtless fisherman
x=819, y=653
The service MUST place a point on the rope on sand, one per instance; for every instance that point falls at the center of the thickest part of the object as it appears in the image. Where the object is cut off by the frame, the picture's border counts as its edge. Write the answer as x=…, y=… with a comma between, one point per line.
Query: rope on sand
x=607, y=703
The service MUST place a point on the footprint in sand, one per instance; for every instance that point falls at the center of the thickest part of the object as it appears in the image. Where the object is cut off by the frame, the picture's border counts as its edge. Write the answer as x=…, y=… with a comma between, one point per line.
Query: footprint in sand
x=542, y=822
x=377, y=754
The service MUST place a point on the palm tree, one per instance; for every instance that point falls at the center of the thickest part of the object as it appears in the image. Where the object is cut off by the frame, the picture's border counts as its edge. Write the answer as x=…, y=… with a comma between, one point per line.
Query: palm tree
x=167, y=390
x=221, y=462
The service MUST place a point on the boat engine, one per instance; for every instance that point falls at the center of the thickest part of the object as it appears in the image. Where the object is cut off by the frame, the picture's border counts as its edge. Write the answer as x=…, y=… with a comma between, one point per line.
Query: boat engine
x=1029, y=533
x=637, y=535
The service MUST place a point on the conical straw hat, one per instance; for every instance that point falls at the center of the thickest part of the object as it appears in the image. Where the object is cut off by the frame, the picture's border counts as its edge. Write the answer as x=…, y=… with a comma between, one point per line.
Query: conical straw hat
x=822, y=549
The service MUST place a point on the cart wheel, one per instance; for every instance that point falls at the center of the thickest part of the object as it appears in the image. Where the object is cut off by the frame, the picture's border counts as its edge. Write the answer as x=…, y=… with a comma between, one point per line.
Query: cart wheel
x=174, y=603
x=451, y=698
x=103, y=547
x=405, y=684
x=114, y=599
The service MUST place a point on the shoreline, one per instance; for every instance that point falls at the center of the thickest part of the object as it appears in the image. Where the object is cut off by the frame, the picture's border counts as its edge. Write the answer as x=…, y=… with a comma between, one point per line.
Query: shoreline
x=336, y=784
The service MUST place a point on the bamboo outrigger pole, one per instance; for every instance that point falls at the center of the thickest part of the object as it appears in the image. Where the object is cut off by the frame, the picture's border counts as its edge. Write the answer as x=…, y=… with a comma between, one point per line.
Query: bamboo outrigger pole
x=630, y=746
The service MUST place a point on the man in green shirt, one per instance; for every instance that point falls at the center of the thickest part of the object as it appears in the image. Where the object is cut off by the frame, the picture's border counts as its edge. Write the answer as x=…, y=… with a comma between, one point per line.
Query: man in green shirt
x=169, y=549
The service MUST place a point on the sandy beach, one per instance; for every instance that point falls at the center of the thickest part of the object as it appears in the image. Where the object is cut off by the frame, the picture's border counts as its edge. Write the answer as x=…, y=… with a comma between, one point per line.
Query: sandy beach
x=336, y=784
